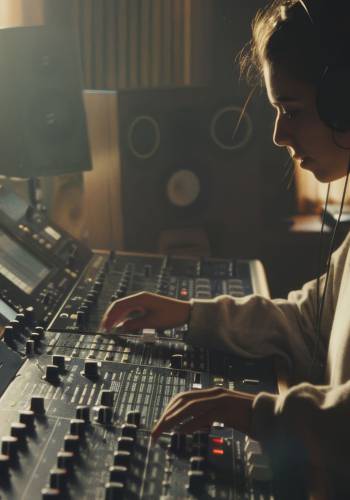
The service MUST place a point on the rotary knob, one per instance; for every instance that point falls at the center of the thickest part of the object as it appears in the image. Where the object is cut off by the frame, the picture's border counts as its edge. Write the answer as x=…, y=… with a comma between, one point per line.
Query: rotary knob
x=9, y=334
x=40, y=330
x=30, y=348
x=29, y=316
x=37, y=405
x=35, y=336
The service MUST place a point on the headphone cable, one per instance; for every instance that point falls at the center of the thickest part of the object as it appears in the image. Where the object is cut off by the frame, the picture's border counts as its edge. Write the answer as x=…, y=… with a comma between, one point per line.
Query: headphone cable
x=320, y=303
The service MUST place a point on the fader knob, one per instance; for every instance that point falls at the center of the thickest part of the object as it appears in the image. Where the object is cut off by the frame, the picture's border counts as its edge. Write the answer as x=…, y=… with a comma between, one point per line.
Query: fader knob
x=58, y=478
x=19, y=431
x=48, y=493
x=129, y=430
x=121, y=457
x=178, y=442
x=107, y=398
x=65, y=460
x=104, y=415
x=134, y=417
x=91, y=369
x=197, y=463
x=195, y=481
x=114, y=491
x=4, y=466
x=125, y=443
x=71, y=443
x=77, y=427
x=59, y=361
x=118, y=474
x=27, y=417
x=176, y=361
x=82, y=412
x=9, y=447
x=52, y=374
x=37, y=405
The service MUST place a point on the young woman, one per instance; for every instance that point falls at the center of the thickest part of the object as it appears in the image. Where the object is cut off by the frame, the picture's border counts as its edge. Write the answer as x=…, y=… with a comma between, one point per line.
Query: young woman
x=311, y=329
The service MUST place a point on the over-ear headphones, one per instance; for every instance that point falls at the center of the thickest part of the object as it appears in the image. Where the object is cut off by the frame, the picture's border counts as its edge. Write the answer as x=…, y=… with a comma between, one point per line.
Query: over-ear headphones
x=331, y=19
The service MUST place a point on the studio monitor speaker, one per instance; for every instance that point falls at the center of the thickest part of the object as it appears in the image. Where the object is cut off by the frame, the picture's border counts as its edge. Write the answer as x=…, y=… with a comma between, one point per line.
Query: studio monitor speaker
x=42, y=118
x=188, y=159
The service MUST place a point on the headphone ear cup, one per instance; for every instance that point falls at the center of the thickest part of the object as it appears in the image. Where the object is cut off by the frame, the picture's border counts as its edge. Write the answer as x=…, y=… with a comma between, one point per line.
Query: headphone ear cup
x=333, y=98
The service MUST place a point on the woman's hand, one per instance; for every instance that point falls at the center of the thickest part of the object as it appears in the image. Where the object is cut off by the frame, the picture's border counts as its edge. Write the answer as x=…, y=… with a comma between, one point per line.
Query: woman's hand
x=196, y=410
x=152, y=311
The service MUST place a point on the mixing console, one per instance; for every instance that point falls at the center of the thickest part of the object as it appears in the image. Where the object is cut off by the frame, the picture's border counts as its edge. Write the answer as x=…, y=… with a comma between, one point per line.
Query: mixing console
x=77, y=406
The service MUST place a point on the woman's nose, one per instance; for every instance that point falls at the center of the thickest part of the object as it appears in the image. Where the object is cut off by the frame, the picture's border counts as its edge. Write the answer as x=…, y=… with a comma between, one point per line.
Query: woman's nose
x=282, y=134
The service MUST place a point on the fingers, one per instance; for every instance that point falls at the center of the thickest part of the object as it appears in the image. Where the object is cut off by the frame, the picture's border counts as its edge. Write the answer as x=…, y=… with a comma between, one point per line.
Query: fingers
x=192, y=410
x=121, y=309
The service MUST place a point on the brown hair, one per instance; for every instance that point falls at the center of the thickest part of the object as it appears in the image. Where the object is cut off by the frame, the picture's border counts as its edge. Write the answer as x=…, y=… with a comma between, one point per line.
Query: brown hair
x=284, y=35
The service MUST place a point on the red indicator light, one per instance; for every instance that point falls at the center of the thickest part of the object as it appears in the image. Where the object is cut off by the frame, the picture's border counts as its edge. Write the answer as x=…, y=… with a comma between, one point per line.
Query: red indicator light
x=217, y=451
x=218, y=440
x=183, y=292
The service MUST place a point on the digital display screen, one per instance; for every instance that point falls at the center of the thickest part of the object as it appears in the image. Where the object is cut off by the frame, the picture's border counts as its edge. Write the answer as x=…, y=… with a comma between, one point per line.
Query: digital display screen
x=19, y=266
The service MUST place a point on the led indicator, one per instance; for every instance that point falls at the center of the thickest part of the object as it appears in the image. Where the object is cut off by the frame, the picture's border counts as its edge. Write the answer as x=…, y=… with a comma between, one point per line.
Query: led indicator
x=217, y=451
x=218, y=440
x=184, y=292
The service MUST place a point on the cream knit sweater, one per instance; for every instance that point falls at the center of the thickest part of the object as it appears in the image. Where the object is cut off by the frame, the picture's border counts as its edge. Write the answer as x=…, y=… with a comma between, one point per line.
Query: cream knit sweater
x=256, y=327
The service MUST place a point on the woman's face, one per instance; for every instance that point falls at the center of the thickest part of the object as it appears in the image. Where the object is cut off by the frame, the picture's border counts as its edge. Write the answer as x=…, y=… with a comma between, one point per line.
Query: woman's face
x=299, y=128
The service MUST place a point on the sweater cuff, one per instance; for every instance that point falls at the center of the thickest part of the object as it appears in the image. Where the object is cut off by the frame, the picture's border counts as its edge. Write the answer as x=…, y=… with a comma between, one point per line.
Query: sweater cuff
x=203, y=321
x=263, y=416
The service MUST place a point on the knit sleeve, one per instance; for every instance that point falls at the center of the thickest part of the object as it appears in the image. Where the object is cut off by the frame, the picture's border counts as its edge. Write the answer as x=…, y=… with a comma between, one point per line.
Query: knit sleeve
x=255, y=326
x=308, y=425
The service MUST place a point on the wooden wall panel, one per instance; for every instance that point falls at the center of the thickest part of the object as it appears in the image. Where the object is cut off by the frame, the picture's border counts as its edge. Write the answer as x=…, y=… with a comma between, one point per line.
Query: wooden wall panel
x=142, y=43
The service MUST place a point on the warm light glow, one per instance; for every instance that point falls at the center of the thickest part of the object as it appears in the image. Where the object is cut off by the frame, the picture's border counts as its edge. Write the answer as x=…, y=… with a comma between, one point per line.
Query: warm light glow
x=21, y=13
x=217, y=451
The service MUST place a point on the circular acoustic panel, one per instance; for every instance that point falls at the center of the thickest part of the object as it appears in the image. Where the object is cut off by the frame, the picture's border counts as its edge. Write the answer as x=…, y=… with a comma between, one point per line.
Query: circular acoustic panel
x=144, y=137
x=183, y=188
x=227, y=132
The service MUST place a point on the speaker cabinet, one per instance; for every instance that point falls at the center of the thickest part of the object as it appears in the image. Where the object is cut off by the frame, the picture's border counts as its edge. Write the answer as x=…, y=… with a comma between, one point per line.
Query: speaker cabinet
x=42, y=120
x=188, y=160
